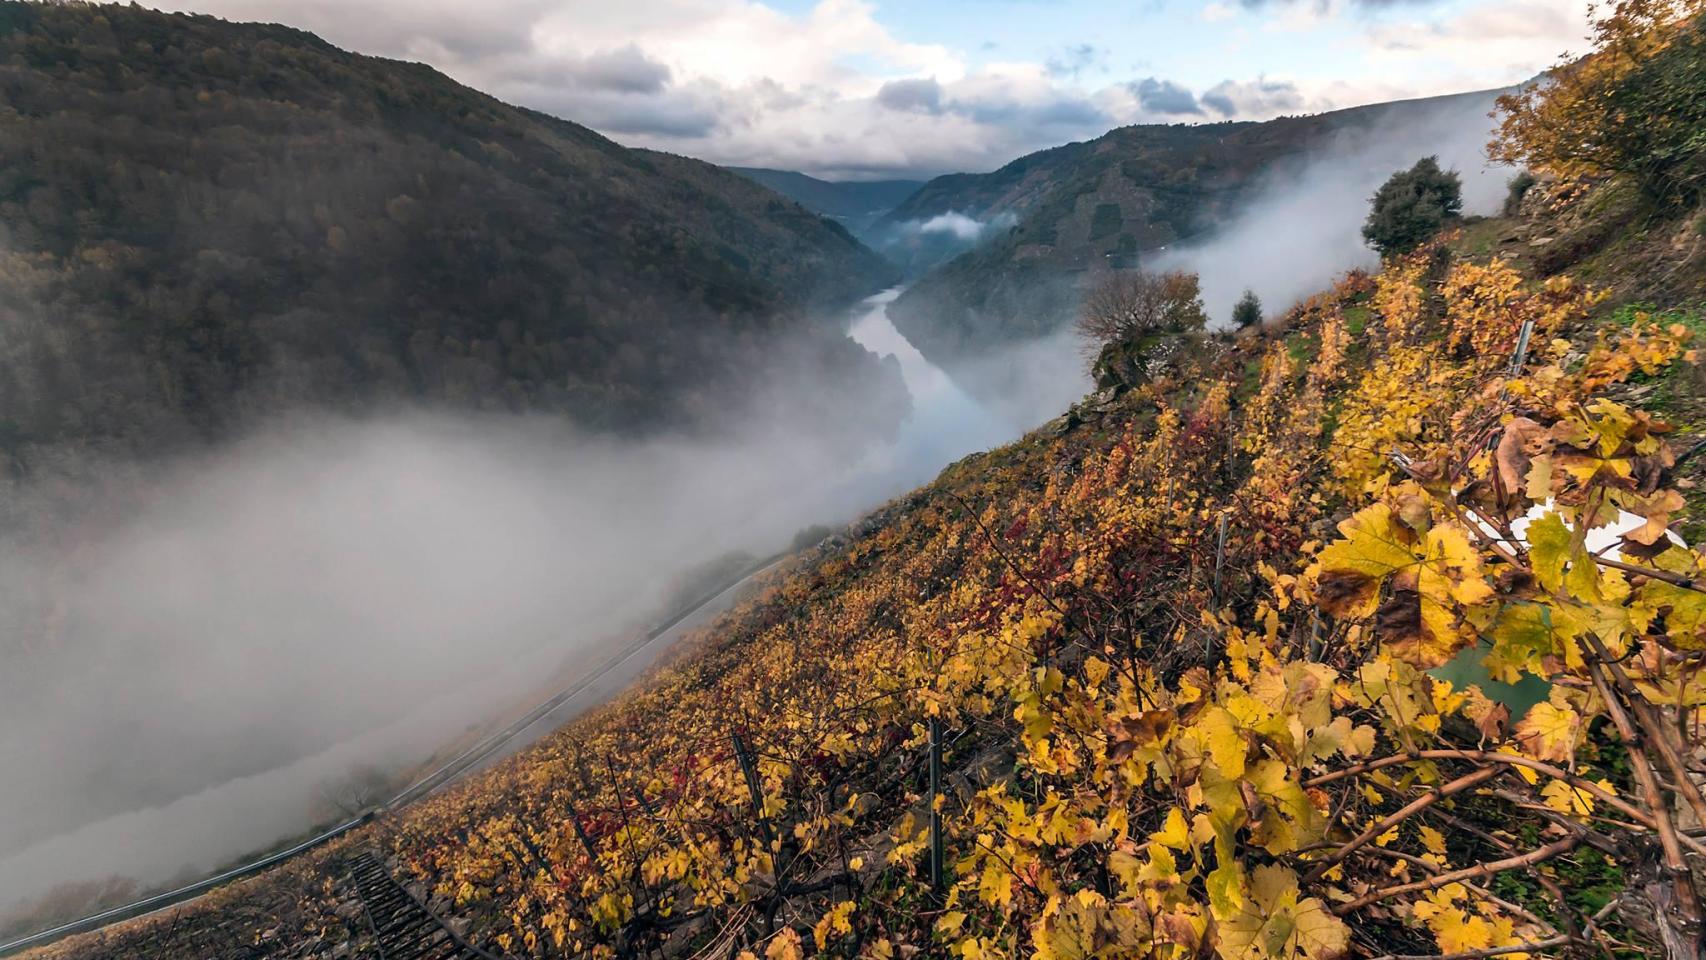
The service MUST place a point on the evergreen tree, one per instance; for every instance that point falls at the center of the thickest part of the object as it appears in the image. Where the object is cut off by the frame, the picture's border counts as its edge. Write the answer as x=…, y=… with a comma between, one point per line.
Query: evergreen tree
x=1411, y=206
x=1248, y=311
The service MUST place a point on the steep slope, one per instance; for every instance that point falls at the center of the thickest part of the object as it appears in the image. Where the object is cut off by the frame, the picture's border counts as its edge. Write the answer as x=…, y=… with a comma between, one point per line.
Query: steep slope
x=1110, y=202
x=855, y=204
x=1150, y=740
x=205, y=221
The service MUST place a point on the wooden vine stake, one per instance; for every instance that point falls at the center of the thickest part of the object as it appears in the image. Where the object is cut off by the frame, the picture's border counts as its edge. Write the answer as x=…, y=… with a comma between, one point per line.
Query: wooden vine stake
x=1219, y=564
x=938, y=880
x=750, y=771
x=1521, y=355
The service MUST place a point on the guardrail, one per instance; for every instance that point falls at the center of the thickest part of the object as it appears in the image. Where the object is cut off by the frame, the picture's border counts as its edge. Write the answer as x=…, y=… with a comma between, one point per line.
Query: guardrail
x=161, y=901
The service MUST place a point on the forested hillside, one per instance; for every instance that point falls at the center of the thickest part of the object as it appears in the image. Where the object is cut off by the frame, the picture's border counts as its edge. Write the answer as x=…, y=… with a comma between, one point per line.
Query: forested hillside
x=1106, y=203
x=203, y=221
x=856, y=204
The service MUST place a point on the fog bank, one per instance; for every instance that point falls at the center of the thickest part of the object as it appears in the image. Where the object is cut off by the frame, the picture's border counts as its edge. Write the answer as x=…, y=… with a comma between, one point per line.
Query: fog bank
x=1304, y=227
x=207, y=655
x=919, y=245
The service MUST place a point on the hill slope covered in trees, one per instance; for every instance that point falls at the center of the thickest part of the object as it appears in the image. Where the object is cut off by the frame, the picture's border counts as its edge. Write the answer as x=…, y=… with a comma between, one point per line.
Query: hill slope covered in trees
x=202, y=221
x=1085, y=207
x=856, y=204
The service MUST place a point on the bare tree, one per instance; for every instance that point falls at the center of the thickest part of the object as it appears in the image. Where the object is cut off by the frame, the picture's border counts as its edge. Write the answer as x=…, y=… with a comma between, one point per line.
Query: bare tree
x=1131, y=305
x=355, y=791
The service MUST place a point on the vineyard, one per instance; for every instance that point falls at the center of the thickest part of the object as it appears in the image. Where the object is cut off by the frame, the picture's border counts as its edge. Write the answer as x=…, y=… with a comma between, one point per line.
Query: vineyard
x=1146, y=751
x=1165, y=679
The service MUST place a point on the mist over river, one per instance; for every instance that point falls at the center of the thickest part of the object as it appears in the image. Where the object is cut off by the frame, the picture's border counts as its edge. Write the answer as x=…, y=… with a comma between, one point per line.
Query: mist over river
x=338, y=599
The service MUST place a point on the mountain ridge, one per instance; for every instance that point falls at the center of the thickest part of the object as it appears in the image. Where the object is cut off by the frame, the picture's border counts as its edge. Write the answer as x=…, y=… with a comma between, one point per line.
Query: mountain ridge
x=1093, y=205
x=856, y=204
x=245, y=218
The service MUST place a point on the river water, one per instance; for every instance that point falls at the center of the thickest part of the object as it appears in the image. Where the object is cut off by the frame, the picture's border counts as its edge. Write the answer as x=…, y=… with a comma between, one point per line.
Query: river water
x=946, y=422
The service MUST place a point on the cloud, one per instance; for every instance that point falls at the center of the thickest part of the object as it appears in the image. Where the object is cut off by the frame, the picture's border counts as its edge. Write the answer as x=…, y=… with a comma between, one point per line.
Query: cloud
x=1164, y=97
x=1255, y=99
x=1073, y=61
x=1524, y=36
x=625, y=70
x=915, y=96
x=962, y=227
x=829, y=89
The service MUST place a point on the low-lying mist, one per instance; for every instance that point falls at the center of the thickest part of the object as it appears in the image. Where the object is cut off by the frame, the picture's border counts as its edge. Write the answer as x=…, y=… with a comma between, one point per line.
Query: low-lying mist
x=1304, y=227
x=202, y=665
x=918, y=245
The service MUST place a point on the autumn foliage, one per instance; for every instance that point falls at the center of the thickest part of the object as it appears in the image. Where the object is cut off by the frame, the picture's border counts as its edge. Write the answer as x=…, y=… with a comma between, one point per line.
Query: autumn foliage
x=1635, y=106
x=1149, y=756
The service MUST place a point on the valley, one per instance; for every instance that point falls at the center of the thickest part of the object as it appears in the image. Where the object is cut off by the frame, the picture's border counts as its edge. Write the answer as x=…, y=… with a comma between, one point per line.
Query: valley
x=995, y=505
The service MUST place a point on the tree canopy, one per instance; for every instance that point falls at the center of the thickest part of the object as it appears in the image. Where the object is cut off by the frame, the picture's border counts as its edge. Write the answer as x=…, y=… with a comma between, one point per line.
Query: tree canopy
x=1411, y=206
x=1247, y=312
x=1634, y=106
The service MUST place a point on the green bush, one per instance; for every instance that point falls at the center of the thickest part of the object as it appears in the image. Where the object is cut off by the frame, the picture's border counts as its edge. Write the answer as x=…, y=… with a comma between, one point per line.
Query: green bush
x=1411, y=206
x=1248, y=311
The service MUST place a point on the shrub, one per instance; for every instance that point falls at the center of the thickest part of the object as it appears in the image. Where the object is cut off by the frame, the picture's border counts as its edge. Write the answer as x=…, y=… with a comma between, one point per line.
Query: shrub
x=1518, y=188
x=1248, y=311
x=1411, y=206
x=1132, y=305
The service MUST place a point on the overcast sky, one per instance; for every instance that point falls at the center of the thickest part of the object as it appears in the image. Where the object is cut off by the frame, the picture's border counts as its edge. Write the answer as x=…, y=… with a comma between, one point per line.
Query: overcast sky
x=857, y=89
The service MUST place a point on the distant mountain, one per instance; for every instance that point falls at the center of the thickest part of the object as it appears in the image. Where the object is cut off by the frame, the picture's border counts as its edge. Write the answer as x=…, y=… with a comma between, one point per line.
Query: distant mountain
x=856, y=204
x=1057, y=217
x=202, y=222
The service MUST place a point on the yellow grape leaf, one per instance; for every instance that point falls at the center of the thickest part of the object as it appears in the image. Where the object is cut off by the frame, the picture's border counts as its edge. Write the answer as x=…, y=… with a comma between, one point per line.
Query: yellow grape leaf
x=1274, y=922
x=1173, y=833
x=1095, y=671
x=950, y=923
x=995, y=884
x=1548, y=549
x=785, y=946
x=1684, y=610
x=1523, y=635
x=1224, y=741
x=1548, y=732
x=1125, y=868
x=1572, y=800
x=836, y=923
x=1352, y=569
x=1076, y=927
x=1460, y=930
x=1433, y=840
x=1434, y=575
